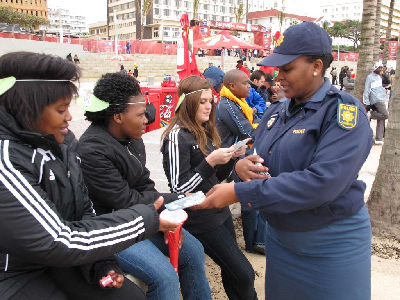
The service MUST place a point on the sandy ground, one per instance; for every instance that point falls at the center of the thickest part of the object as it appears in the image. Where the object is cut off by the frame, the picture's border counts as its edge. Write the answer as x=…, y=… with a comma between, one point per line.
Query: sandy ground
x=386, y=254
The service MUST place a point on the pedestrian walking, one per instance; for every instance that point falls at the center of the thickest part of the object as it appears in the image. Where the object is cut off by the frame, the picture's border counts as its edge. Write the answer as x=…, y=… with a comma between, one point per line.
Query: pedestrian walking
x=375, y=97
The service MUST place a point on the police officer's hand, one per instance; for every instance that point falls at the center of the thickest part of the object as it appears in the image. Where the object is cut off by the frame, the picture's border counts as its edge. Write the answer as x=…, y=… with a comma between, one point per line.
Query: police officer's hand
x=247, y=170
x=220, y=156
x=221, y=195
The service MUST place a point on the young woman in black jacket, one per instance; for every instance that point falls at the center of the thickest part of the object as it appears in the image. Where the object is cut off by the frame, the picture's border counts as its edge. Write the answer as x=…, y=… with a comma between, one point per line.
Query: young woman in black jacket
x=114, y=167
x=52, y=245
x=193, y=161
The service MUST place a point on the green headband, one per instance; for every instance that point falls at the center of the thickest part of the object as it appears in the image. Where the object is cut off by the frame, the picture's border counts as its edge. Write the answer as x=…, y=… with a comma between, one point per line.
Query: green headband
x=182, y=97
x=8, y=82
x=91, y=103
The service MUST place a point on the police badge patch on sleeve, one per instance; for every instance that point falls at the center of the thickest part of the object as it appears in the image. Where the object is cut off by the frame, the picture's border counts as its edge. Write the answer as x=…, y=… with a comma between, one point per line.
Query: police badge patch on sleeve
x=347, y=115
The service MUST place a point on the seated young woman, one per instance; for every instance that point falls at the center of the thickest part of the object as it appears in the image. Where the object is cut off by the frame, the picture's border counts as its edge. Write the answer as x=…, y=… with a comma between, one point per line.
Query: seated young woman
x=52, y=245
x=114, y=167
x=193, y=161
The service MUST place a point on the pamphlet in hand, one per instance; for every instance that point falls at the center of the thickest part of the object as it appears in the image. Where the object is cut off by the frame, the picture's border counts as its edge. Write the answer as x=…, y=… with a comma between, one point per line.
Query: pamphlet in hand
x=241, y=144
x=187, y=201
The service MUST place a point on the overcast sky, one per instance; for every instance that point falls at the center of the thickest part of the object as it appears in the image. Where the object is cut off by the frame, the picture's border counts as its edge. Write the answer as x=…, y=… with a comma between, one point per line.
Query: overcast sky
x=93, y=10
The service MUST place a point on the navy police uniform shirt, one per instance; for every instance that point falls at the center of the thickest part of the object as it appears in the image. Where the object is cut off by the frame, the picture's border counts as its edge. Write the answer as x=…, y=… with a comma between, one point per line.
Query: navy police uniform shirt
x=314, y=155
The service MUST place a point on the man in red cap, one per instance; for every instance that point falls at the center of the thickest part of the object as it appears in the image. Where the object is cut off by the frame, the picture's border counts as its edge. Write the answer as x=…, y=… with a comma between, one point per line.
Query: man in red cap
x=240, y=67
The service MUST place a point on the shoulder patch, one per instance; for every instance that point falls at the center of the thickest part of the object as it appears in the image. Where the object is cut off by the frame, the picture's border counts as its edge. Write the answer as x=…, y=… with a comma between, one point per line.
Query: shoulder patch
x=347, y=115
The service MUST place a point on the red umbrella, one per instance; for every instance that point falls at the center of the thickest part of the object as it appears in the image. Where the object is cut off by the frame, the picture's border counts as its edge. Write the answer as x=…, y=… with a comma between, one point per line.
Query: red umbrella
x=224, y=39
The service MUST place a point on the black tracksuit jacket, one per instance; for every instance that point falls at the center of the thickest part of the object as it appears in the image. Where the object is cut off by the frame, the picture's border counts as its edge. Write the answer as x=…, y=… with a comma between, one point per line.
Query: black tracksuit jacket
x=47, y=218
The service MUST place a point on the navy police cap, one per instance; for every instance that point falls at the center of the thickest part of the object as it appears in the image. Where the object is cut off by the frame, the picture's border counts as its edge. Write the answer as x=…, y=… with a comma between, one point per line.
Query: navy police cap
x=306, y=38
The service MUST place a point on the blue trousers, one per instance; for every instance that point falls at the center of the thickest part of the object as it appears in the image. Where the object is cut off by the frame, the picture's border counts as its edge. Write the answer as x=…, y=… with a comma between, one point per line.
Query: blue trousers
x=236, y=271
x=146, y=260
x=254, y=227
x=330, y=263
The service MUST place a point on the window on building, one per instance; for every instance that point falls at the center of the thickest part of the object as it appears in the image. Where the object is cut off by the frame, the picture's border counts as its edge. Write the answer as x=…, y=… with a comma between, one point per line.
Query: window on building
x=178, y=3
x=186, y=4
x=166, y=12
x=231, y=10
x=166, y=2
x=223, y=9
x=205, y=6
x=205, y=17
x=156, y=1
x=156, y=11
x=177, y=13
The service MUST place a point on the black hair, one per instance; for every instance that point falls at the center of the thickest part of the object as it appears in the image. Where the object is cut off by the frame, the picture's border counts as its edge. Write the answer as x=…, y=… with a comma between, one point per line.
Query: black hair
x=326, y=60
x=257, y=74
x=116, y=89
x=26, y=100
x=392, y=72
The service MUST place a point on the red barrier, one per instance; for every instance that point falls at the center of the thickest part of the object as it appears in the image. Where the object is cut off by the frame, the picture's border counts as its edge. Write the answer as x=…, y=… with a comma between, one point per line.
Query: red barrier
x=103, y=46
x=166, y=99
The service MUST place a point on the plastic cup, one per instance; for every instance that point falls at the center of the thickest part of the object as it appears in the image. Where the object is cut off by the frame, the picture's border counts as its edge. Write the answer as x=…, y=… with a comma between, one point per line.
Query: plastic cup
x=176, y=216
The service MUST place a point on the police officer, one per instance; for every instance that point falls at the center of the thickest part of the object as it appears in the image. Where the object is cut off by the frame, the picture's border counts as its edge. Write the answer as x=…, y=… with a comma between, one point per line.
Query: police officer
x=313, y=143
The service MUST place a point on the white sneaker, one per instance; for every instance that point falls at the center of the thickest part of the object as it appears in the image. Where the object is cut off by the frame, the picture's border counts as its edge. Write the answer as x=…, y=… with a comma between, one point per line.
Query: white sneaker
x=378, y=142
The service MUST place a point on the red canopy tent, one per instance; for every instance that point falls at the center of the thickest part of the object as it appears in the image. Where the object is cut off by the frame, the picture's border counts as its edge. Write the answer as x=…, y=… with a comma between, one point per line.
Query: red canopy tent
x=224, y=40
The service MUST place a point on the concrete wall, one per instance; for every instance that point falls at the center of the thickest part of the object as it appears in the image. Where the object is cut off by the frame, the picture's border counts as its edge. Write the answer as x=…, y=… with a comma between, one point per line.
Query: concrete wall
x=12, y=45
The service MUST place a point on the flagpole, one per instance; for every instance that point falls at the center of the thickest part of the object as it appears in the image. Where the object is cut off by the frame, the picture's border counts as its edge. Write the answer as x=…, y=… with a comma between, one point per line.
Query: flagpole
x=222, y=59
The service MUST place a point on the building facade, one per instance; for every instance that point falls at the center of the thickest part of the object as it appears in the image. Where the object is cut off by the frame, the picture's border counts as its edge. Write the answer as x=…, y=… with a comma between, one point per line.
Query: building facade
x=98, y=29
x=32, y=7
x=162, y=22
x=72, y=24
x=339, y=10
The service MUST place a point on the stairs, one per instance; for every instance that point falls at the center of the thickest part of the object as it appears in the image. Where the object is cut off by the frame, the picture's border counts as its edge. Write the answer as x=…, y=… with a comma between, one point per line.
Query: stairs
x=94, y=65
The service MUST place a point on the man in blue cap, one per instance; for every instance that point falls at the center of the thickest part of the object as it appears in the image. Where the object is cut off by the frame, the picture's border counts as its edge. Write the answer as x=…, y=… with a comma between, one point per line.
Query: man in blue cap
x=215, y=76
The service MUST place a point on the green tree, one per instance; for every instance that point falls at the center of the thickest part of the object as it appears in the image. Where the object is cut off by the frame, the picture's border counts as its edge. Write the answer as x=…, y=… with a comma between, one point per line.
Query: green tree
x=349, y=29
x=281, y=17
x=365, y=58
x=195, y=8
x=239, y=12
x=388, y=33
x=29, y=22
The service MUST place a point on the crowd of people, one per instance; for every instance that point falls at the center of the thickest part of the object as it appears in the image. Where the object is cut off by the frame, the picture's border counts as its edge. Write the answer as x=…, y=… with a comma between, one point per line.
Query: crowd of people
x=378, y=91
x=77, y=215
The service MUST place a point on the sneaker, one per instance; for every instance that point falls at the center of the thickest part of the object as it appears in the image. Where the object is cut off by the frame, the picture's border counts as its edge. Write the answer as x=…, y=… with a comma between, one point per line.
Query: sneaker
x=259, y=248
x=378, y=142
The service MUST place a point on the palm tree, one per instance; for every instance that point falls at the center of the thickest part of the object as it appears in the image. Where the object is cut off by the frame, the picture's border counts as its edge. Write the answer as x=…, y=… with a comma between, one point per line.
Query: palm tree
x=383, y=201
x=377, y=30
x=365, y=58
x=238, y=11
x=281, y=17
x=141, y=14
x=195, y=8
x=388, y=33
